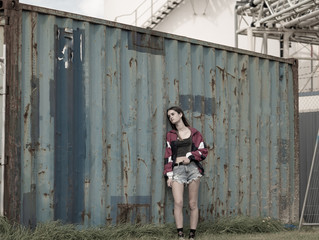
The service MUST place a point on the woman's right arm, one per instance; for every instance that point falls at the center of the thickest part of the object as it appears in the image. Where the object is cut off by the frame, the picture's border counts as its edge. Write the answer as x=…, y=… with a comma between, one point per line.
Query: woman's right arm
x=168, y=162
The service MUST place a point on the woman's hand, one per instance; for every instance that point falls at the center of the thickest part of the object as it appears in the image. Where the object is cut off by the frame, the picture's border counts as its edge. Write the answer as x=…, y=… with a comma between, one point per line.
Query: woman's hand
x=169, y=182
x=184, y=160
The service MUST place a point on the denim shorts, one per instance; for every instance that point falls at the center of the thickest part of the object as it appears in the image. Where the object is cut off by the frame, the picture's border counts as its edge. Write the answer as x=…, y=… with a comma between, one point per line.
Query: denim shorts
x=186, y=173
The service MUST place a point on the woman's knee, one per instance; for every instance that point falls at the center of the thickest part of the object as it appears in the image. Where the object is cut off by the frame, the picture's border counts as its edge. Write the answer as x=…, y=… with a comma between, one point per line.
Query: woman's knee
x=178, y=203
x=193, y=205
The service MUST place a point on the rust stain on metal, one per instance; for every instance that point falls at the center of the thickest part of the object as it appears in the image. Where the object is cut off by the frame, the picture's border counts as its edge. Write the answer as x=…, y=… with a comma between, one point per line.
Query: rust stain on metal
x=109, y=76
x=26, y=113
x=108, y=152
x=160, y=206
x=211, y=209
x=125, y=177
x=126, y=197
x=104, y=167
x=127, y=210
x=108, y=220
x=225, y=73
x=142, y=160
x=46, y=195
x=12, y=194
x=225, y=167
x=33, y=147
x=133, y=60
x=213, y=84
x=83, y=214
x=243, y=70
x=161, y=210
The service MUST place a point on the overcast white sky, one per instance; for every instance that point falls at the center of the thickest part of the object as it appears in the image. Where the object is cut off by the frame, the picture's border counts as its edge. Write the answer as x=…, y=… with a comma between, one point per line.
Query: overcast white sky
x=107, y=9
x=94, y=8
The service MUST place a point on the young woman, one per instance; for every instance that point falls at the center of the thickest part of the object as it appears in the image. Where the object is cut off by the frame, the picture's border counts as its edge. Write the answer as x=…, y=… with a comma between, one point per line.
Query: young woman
x=185, y=149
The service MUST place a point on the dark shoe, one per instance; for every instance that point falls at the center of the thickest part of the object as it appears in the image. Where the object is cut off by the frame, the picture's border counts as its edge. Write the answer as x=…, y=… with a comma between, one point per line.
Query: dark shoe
x=191, y=236
x=180, y=236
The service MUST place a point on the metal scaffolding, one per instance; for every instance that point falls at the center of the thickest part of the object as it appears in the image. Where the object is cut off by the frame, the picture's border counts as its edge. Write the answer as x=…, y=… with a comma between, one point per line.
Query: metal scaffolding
x=284, y=20
x=291, y=22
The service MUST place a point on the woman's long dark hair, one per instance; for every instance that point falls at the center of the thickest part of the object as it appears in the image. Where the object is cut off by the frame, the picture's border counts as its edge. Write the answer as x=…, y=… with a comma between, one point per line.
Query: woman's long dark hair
x=178, y=110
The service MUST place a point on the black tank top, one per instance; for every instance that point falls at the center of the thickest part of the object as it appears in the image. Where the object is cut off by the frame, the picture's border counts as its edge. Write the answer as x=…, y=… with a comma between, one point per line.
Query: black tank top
x=184, y=146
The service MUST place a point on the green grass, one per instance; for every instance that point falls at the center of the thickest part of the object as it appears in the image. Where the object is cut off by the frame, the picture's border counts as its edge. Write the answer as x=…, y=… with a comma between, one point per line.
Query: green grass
x=241, y=225
x=238, y=228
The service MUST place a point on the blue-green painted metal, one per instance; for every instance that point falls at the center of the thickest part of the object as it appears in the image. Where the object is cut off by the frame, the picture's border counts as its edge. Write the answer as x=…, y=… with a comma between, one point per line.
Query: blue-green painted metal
x=88, y=98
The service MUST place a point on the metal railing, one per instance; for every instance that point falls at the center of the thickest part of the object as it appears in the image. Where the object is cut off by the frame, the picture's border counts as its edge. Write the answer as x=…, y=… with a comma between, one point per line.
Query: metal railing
x=146, y=12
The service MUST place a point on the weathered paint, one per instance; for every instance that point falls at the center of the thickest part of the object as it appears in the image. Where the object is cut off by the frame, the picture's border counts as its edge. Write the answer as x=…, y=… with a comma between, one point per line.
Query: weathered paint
x=309, y=125
x=87, y=107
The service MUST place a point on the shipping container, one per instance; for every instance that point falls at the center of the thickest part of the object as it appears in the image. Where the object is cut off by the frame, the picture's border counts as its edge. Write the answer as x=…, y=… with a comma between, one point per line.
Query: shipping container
x=85, y=122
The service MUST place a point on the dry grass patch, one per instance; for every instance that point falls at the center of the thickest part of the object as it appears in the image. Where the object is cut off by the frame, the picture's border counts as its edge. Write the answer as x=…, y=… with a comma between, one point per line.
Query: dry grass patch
x=223, y=228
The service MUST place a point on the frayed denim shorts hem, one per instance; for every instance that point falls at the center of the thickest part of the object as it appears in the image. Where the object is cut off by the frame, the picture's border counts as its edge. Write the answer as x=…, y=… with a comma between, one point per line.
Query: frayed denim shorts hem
x=185, y=174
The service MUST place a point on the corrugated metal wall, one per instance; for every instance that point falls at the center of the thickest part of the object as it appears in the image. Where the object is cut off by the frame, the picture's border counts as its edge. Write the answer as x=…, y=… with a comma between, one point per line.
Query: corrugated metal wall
x=309, y=125
x=87, y=104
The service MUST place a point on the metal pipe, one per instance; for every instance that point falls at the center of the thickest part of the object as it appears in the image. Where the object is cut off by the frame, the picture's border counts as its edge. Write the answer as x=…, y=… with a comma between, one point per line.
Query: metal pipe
x=247, y=6
x=275, y=4
x=311, y=67
x=310, y=23
x=2, y=130
x=283, y=11
x=301, y=19
x=236, y=26
x=270, y=4
x=255, y=3
x=309, y=58
x=265, y=43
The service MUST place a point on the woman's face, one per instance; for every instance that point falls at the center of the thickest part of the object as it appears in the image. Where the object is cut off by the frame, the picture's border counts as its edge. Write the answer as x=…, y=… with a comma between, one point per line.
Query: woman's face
x=174, y=117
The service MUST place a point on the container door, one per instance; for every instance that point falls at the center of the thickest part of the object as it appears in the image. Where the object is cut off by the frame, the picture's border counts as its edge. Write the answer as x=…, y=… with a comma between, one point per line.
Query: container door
x=2, y=112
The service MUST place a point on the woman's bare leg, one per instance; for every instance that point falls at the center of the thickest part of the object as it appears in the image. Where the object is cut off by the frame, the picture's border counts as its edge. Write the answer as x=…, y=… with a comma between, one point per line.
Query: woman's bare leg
x=193, y=202
x=178, y=192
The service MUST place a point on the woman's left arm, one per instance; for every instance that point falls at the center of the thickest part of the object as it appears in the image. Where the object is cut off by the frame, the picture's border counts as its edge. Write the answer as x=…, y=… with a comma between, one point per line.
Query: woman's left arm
x=201, y=151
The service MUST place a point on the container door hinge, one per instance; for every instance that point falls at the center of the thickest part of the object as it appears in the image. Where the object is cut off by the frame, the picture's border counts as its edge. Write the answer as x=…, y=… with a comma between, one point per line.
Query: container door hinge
x=9, y=5
x=4, y=162
x=4, y=20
